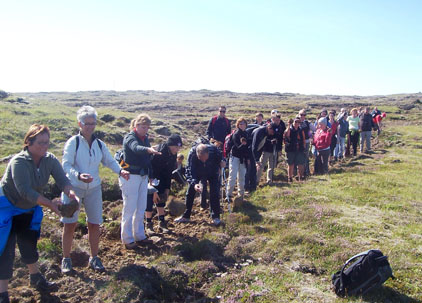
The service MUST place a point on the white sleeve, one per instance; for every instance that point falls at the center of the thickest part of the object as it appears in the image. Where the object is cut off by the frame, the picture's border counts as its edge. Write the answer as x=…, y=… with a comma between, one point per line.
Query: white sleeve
x=68, y=161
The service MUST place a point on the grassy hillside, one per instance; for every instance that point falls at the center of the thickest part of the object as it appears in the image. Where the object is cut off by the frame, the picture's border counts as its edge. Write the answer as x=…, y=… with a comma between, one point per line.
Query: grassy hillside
x=285, y=241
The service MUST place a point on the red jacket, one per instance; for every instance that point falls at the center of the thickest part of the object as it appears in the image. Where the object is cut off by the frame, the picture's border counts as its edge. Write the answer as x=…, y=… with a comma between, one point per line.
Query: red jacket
x=322, y=139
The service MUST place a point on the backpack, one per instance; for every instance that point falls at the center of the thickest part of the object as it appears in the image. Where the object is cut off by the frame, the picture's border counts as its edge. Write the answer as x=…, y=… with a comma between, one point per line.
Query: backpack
x=119, y=157
x=77, y=144
x=370, y=271
x=201, y=140
x=214, y=119
x=228, y=144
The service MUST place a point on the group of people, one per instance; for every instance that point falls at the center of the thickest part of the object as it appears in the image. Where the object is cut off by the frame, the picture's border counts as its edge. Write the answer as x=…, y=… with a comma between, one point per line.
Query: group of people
x=145, y=175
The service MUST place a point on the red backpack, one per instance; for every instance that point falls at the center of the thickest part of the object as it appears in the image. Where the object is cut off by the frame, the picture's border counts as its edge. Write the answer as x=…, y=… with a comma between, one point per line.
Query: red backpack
x=228, y=144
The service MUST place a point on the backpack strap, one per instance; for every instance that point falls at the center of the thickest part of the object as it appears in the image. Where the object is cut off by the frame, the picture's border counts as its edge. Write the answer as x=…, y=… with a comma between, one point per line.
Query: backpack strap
x=347, y=263
x=214, y=119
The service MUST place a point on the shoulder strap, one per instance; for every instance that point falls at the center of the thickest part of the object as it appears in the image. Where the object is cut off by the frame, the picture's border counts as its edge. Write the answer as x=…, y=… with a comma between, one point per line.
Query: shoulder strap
x=100, y=145
x=213, y=120
x=227, y=122
x=77, y=144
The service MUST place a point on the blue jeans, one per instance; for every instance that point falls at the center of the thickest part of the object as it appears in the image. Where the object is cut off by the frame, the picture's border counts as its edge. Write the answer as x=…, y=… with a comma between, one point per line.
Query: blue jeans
x=339, y=151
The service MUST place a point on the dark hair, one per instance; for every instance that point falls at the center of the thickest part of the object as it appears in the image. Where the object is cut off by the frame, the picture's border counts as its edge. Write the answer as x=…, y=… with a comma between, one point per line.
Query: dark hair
x=33, y=131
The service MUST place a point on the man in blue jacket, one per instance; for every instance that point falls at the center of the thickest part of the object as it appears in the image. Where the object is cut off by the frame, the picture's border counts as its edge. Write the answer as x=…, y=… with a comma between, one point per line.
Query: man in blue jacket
x=204, y=163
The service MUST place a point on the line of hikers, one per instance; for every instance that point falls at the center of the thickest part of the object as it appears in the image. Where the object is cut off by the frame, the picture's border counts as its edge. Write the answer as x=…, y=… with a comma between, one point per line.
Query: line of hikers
x=145, y=175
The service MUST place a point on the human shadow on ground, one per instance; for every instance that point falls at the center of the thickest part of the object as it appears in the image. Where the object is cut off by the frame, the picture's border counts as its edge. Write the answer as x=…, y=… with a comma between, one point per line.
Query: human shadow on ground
x=387, y=294
x=251, y=210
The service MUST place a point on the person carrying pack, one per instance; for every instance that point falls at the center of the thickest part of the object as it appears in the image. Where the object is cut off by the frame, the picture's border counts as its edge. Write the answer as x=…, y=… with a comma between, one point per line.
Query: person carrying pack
x=239, y=158
x=219, y=127
x=370, y=270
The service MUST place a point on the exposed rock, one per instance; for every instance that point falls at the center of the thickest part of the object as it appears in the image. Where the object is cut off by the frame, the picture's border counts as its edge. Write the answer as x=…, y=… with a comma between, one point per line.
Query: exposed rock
x=163, y=131
x=175, y=206
x=108, y=118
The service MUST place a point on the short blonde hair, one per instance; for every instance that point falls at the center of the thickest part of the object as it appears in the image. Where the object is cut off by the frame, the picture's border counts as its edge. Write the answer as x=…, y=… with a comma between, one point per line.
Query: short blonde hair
x=33, y=132
x=140, y=119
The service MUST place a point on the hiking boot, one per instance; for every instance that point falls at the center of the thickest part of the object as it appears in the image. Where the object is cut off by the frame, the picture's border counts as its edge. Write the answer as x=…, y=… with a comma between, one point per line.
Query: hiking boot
x=182, y=220
x=144, y=242
x=149, y=229
x=66, y=265
x=163, y=227
x=4, y=297
x=131, y=245
x=95, y=264
x=216, y=221
x=38, y=282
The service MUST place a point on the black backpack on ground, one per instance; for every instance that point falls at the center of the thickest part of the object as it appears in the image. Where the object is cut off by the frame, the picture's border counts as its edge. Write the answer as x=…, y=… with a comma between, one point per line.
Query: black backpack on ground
x=369, y=271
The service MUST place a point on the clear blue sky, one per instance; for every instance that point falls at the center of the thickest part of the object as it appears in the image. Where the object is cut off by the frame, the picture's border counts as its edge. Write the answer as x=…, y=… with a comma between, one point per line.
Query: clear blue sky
x=360, y=47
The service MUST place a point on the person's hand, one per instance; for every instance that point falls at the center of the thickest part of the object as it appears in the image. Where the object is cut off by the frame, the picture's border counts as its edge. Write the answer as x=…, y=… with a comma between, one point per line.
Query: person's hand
x=72, y=195
x=55, y=206
x=86, y=178
x=198, y=188
x=124, y=174
x=243, y=141
x=153, y=151
x=222, y=164
x=258, y=165
x=155, y=198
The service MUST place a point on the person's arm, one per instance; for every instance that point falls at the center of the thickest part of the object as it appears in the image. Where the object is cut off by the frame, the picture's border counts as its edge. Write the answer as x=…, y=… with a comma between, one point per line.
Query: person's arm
x=191, y=173
x=236, y=140
x=209, y=129
x=68, y=160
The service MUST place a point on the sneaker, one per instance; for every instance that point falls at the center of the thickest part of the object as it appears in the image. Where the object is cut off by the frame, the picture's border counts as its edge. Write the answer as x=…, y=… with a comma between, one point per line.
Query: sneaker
x=66, y=265
x=38, y=282
x=4, y=297
x=163, y=227
x=182, y=220
x=95, y=264
x=131, y=245
x=149, y=229
x=216, y=221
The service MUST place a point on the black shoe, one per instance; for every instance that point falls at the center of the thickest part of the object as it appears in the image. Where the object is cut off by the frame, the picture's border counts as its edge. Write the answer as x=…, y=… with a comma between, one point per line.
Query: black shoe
x=149, y=229
x=40, y=283
x=4, y=297
x=163, y=227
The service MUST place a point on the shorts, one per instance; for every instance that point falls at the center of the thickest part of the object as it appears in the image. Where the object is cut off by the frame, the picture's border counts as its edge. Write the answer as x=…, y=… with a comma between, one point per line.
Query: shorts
x=92, y=200
x=296, y=158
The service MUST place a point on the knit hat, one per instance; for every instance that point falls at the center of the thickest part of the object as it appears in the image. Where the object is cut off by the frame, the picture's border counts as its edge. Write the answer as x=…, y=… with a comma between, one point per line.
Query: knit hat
x=174, y=140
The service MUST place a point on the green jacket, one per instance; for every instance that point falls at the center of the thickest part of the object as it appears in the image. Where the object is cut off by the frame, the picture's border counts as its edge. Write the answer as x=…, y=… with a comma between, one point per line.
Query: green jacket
x=23, y=183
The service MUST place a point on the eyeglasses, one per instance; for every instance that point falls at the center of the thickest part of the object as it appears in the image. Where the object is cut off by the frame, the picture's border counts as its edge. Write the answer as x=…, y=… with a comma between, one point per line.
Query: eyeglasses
x=222, y=111
x=42, y=143
x=89, y=124
x=303, y=115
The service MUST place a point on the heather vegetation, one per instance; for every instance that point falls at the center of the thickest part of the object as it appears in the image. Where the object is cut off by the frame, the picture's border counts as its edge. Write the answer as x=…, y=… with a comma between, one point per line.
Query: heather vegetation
x=281, y=245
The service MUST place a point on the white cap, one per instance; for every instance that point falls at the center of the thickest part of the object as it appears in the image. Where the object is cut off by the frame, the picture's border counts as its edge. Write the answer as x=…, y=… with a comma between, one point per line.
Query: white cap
x=274, y=112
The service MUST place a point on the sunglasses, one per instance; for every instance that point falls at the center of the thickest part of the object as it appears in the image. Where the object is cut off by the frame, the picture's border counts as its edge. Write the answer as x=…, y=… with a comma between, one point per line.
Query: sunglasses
x=303, y=115
x=222, y=111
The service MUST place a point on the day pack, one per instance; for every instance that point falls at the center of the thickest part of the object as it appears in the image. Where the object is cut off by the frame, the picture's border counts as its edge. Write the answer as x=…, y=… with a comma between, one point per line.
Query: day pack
x=228, y=144
x=369, y=271
x=201, y=140
x=118, y=156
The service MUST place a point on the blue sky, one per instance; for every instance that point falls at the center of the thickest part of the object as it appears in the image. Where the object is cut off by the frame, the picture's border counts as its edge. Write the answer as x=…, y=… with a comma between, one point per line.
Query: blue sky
x=309, y=47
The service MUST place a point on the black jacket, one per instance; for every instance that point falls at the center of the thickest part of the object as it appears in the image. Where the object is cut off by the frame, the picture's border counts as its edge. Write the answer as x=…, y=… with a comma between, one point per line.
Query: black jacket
x=366, y=122
x=294, y=142
x=278, y=135
x=197, y=170
x=163, y=166
x=238, y=150
x=259, y=137
x=218, y=128
x=136, y=154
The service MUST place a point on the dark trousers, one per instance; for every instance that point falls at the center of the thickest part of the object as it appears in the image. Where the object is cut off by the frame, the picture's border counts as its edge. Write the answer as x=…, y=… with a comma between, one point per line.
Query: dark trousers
x=214, y=197
x=354, y=138
x=250, y=178
x=27, y=243
x=204, y=194
x=321, y=162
